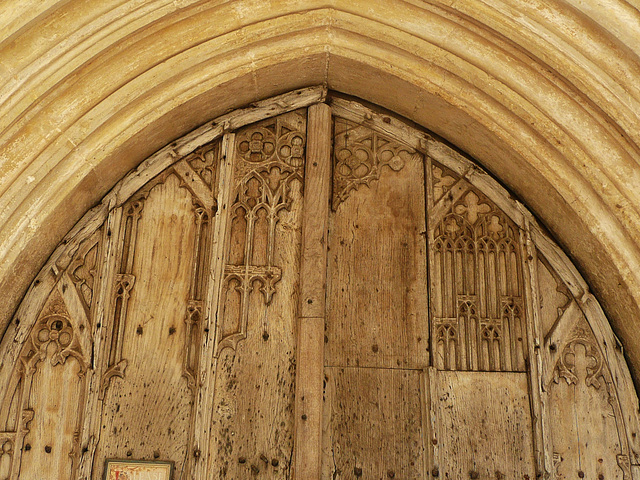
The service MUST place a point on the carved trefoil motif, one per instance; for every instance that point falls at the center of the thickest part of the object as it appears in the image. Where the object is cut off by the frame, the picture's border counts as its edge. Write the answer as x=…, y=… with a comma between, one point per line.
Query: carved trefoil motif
x=566, y=366
x=591, y=437
x=476, y=277
x=269, y=163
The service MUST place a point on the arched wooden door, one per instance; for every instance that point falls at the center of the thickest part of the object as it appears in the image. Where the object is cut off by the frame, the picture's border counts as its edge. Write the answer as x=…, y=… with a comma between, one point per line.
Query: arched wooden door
x=311, y=289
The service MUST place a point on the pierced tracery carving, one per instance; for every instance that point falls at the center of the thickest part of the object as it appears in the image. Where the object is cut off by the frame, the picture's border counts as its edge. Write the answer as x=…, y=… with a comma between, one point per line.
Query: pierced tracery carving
x=270, y=158
x=359, y=156
x=476, y=281
x=123, y=284
x=195, y=305
x=203, y=162
x=83, y=270
x=442, y=182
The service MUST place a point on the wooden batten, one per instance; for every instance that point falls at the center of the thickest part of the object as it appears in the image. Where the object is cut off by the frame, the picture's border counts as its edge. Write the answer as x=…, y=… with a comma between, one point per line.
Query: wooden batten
x=313, y=280
x=539, y=402
x=207, y=360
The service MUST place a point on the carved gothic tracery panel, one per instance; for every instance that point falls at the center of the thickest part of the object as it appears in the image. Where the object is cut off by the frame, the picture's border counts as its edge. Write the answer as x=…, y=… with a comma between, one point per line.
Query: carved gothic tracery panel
x=477, y=291
x=255, y=346
x=268, y=176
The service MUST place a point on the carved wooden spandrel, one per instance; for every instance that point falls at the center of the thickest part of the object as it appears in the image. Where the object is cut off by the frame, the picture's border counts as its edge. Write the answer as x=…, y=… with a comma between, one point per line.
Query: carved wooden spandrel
x=442, y=181
x=554, y=296
x=588, y=433
x=360, y=155
x=198, y=172
x=84, y=270
x=204, y=161
x=477, y=291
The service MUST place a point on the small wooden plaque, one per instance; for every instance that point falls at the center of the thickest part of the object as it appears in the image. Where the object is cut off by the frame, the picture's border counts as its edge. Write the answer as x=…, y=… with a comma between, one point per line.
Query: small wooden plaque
x=115, y=469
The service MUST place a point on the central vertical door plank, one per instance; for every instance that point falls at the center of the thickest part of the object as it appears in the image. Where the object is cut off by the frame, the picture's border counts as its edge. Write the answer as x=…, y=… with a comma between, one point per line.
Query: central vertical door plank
x=377, y=325
x=313, y=272
x=481, y=425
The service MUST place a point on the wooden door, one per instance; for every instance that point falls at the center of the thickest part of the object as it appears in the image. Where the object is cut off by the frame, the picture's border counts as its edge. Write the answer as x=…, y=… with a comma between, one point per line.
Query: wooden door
x=310, y=289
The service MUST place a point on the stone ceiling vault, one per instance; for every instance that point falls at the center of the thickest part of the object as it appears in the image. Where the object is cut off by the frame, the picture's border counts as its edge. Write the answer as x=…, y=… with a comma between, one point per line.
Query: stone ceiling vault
x=545, y=94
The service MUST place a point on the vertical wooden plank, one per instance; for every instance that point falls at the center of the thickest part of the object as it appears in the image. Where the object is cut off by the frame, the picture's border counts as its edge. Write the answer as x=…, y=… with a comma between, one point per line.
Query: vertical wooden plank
x=535, y=340
x=91, y=429
x=55, y=361
x=313, y=272
x=208, y=363
x=481, y=425
x=316, y=212
x=587, y=432
x=377, y=315
x=613, y=353
x=426, y=426
x=252, y=425
x=147, y=411
x=375, y=425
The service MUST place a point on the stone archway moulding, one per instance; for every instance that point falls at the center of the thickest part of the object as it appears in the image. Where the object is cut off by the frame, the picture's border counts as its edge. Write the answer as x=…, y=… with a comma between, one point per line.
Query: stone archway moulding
x=544, y=94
